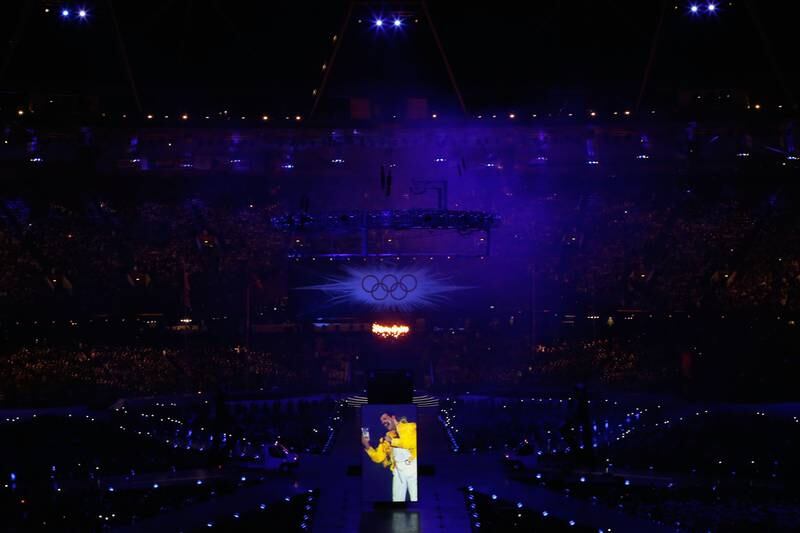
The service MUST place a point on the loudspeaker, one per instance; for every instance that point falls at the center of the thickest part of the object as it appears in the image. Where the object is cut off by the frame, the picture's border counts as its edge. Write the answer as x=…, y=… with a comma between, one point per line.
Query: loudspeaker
x=390, y=386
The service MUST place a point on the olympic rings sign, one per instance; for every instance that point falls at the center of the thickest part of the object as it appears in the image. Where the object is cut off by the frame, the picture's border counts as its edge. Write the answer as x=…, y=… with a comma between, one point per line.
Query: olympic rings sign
x=389, y=286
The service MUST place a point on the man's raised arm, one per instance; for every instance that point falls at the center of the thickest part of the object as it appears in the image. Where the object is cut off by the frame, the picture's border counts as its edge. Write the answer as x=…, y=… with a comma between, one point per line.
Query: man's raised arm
x=406, y=436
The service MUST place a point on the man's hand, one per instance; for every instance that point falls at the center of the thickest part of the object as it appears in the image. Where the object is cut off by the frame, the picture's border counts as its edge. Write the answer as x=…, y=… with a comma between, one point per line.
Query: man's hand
x=365, y=442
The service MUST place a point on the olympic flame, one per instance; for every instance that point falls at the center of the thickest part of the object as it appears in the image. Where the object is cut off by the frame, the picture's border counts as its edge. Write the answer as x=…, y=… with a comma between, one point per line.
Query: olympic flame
x=393, y=331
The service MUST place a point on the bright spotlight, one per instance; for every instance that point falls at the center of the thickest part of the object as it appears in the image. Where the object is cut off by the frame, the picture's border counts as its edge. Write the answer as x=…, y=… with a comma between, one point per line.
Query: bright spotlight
x=711, y=7
x=397, y=23
x=65, y=13
x=379, y=23
x=82, y=13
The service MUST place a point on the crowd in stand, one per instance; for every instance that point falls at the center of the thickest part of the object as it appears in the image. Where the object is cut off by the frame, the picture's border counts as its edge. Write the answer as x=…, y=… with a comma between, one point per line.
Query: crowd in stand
x=594, y=251
x=590, y=249
x=671, y=253
x=94, y=259
x=61, y=374
x=46, y=375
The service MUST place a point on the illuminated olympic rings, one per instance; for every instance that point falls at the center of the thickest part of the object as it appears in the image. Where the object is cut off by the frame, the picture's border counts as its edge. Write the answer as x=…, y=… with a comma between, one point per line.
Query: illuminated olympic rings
x=389, y=286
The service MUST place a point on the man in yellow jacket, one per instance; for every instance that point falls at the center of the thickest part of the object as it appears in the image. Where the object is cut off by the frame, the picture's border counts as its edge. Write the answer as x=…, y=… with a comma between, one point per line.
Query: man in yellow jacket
x=397, y=451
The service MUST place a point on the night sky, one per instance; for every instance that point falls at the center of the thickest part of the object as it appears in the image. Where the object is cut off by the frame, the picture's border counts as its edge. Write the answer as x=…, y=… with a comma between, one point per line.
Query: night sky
x=267, y=56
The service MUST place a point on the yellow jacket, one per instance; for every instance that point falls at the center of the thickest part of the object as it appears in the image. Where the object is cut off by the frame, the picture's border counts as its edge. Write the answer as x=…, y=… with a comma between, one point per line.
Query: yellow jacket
x=404, y=437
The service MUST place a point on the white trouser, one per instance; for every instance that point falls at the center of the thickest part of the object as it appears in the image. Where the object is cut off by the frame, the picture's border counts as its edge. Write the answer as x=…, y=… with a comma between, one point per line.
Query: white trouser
x=404, y=479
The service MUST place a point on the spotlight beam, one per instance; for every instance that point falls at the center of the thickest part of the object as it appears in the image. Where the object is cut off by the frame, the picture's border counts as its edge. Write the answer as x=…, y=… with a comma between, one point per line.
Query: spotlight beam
x=767, y=49
x=126, y=63
x=337, y=46
x=447, y=66
x=652, y=58
x=24, y=16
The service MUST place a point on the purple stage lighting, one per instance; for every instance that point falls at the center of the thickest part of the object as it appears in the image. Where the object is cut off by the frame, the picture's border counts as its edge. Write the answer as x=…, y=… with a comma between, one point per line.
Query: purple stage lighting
x=693, y=9
x=65, y=13
x=397, y=23
x=82, y=13
x=379, y=23
x=711, y=7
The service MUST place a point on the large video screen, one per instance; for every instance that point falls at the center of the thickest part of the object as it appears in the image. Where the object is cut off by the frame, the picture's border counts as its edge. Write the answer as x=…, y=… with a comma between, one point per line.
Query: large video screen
x=389, y=453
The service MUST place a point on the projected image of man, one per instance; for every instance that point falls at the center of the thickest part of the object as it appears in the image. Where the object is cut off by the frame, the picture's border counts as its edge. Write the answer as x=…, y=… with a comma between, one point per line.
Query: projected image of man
x=397, y=451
